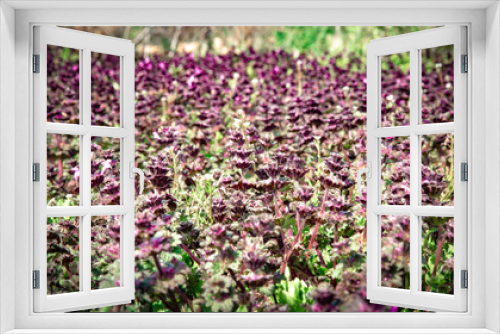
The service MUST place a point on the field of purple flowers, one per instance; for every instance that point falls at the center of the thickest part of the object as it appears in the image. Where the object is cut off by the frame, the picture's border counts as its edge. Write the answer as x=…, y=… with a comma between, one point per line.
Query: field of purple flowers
x=250, y=202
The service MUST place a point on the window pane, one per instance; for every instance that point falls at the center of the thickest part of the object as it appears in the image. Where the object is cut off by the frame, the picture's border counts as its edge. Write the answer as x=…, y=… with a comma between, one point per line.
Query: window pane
x=437, y=84
x=437, y=254
x=395, y=170
x=63, y=85
x=395, y=251
x=395, y=85
x=105, y=89
x=105, y=253
x=437, y=170
x=63, y=255
x=105, y=168
x=63, y=170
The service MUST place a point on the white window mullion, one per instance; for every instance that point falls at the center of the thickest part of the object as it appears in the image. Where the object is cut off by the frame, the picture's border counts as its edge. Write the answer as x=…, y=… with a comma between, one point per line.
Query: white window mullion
x=422, y=210
x=85, y=228
x=79, y=130
x=103, y=131
x=421, y=129
x=403, y=210
x=127, y=226
x=415, y=159
x=431, y=129
x=123, y=175
x=373, y=183
x=393, y=131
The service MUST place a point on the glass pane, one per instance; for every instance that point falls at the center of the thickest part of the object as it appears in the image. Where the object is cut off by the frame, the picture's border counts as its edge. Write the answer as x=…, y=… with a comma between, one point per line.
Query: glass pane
x=437, y=254
x=105, y=168
x=437, y=170
x=63, y=85
x=63, y=255
x=395, y=251
x=105, y=89
x=105, y=252
x=395, y=170
x=437, y=84
x=63, y=170
x=395, y=85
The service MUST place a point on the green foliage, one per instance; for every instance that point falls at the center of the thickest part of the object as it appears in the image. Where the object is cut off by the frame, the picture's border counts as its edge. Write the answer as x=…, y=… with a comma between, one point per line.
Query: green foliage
x=334, y=40
x=293, y=293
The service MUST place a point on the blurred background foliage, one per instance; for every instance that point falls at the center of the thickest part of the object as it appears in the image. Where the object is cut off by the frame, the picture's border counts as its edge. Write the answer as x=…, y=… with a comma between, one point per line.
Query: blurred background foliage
x=343, y=42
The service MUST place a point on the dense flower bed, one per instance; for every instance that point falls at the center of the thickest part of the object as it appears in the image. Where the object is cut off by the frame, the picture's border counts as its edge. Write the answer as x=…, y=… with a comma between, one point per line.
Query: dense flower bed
x=250, y=202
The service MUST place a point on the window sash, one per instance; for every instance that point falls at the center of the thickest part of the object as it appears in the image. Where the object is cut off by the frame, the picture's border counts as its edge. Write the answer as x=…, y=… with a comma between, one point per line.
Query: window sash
x=85, y=298
x=414, y=297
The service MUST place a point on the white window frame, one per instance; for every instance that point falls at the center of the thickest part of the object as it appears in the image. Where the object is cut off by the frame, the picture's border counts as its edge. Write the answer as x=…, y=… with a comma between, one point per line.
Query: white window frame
x=483, y=21
x=86, y=43
x=413, y=43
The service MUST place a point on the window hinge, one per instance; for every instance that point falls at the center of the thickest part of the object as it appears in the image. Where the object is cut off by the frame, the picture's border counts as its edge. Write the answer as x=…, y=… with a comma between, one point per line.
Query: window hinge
x=464, y=279
x=464, y=171
x=36, y=63
x=36, y=172
x=36, y=279
x=465, y=64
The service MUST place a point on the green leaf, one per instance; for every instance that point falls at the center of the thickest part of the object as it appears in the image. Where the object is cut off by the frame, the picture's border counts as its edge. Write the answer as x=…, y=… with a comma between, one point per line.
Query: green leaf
x=65, y=54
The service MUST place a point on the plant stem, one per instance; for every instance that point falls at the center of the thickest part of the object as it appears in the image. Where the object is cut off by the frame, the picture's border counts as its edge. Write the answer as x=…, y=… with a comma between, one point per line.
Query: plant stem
x=211, y=203
x=191, y=255
x=299, y=229
x=346, y=156
x=289, y=253
x=438, y=249
x=171, y=294
x=184, y=297
x=238, y=283
x=317, y=221
x=167, y=304
x=324, y=201
x=276, y=205
x=70, y=275
x=175, y=307
x=320, y=256
x=299, y=78
x=335, y=241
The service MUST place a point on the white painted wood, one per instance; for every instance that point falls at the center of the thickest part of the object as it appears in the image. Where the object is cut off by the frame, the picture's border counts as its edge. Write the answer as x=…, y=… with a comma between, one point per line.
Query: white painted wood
x=245, y=4
x=76, y=211
x=373, y=184
x=419, y=129
x=256, y=331
x=86, y=298
x=7, y=166
x=460, y=155
x=492, y=168
x=85, y=189
x=432, y=129
x=415, y=297
x=76, y=129
x=471, y=322
x=406, y=210
x=415, y=172
x=127, y=106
